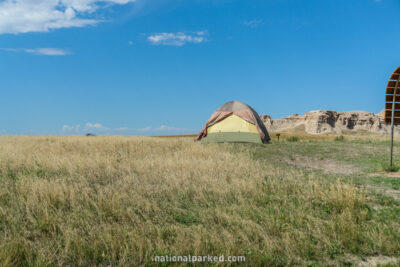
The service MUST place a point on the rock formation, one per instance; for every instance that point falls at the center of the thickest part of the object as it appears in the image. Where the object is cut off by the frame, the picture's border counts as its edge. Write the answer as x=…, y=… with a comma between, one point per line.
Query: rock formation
x=327, y=121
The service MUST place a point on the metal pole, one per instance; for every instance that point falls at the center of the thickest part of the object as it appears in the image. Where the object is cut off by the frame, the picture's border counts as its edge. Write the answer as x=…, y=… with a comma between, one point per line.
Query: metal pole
x=392, y=126
x=391, y=141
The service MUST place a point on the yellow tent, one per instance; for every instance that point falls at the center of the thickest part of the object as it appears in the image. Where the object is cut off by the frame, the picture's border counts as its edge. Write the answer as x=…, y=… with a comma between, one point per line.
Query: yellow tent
x=234, y=122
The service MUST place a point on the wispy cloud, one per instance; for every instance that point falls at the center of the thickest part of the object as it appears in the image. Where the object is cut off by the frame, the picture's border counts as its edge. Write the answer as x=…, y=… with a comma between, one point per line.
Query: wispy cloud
x=177, y=38
x=68, y=128
x=95, y=127
x=98, y=128
x=88, y=128
x=39, y=51
x=145, y=129
x=253, y=23
x=121, y=129
x=165, y=128
x=22, y=16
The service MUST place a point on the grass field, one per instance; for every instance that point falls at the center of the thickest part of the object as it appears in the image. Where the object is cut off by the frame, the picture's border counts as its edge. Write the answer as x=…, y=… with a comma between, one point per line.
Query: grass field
x=123, y=200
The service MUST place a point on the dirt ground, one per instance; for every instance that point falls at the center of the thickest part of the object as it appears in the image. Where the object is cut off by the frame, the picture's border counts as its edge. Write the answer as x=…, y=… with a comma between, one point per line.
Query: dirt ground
x=324, y=165
x=370, y=261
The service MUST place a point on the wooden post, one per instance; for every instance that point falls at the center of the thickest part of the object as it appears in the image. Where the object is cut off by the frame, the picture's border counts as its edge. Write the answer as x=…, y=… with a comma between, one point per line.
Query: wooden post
x=392, y=126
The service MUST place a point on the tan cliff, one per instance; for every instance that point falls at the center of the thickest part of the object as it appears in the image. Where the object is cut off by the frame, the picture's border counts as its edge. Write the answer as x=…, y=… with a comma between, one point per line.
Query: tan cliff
x=328, y=121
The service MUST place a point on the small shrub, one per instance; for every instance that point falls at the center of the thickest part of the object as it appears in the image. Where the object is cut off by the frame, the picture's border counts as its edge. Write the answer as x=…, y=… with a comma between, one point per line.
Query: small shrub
x=387, y=168
x=293, y=139
x=185, y=218
x=168, y=234
x=339, y=138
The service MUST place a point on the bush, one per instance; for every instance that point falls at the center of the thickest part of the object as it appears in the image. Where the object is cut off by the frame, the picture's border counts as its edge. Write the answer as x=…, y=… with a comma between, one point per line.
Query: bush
x=387, y=168
x=339, y=138
x=293, y=139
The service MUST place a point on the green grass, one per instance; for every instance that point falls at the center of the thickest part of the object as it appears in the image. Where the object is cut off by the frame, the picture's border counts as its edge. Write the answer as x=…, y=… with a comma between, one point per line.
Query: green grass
x=339, y=138
x=386, y=167
x=393, y=183
x=293, y=139
x=121, y=201
x=370, y=155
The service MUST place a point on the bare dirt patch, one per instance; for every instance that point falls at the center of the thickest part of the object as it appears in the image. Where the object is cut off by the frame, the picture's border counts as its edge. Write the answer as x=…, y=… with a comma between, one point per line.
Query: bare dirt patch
x=325, y=165
x=385, y=174
x=386, y=191
x=383, y=190
x=370, y=261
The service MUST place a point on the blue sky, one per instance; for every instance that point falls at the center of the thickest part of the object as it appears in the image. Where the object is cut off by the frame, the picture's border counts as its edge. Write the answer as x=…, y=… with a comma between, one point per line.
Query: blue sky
x=150, y=67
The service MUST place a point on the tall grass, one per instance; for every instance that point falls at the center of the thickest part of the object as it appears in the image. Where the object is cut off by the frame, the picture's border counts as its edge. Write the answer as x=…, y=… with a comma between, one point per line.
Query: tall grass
x=339, y=138
x=293, y=139
x=121, y=201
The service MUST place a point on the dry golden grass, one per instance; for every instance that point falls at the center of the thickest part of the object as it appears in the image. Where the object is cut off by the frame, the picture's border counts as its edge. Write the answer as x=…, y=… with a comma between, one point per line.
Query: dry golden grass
x=193, y=136
x=123, y=200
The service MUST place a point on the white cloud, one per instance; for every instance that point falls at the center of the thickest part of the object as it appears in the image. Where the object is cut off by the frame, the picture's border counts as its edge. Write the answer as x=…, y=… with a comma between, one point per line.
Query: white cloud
x=95, y=127
x=22, y=16
x=99, y=128
x=178, y=38
x=39, y=51
x=121, y=129
x=253, y=23
x=145, y=129
x=170, y=129
x=90, y=127
x=162, y=128
x=68, y=128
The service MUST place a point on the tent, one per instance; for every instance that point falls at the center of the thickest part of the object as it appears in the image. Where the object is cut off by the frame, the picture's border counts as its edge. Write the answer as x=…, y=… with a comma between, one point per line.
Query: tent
x=234, y=122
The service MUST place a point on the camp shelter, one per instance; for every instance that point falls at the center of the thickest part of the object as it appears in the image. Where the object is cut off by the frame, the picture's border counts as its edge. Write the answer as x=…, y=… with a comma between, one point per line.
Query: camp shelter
x=234, y=122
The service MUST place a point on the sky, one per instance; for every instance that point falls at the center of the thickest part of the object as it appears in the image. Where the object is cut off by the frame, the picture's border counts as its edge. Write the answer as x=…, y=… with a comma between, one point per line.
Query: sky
x=160, y=67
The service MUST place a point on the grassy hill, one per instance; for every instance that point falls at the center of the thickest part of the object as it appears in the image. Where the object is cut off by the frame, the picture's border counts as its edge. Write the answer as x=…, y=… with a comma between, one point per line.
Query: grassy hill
x=124, y=200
